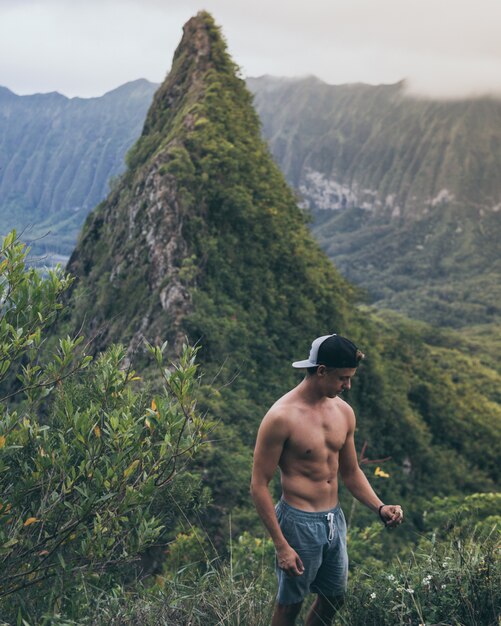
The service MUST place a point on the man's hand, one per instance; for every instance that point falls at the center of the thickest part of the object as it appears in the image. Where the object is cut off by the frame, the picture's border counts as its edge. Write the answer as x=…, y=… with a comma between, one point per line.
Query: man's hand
x=289, y=561
x=392, y=515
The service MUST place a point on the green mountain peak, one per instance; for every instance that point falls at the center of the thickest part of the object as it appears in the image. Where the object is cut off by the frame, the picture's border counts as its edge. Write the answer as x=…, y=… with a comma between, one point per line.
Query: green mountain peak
x=202, y=49
x=201, y=236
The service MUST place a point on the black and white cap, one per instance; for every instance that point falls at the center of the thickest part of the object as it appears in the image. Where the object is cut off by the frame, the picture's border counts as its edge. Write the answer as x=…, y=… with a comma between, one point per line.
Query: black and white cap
x=332, y=351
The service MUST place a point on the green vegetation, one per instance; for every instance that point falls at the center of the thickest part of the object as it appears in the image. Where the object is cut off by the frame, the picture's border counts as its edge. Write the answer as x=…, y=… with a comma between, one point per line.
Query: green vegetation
x=90, y=464
x=57, y=156
x=419, y=226
x=202, y=239
x=431, y=269
x=450, y=575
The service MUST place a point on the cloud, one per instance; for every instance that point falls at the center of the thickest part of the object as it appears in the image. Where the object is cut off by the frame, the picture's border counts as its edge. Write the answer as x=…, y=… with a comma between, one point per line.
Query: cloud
x=86, y=47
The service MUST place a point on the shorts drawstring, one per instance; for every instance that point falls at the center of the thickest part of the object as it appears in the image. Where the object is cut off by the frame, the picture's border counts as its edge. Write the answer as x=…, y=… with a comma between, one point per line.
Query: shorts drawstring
x=330, y=522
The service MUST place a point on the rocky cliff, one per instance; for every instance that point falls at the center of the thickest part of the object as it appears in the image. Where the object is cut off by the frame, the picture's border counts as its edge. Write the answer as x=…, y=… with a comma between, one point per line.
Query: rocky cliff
x=378, y=149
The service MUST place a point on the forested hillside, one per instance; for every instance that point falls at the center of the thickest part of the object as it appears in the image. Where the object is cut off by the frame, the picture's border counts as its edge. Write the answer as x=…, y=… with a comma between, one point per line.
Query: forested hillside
x=405, y=192
x=57, y=156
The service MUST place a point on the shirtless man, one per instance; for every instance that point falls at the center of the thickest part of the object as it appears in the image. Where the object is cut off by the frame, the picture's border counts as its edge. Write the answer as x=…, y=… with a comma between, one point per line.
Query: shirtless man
x=308, y=434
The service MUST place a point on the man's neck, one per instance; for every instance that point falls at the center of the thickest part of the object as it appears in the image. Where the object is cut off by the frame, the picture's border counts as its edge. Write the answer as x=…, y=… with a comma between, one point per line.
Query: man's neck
x=310, y=391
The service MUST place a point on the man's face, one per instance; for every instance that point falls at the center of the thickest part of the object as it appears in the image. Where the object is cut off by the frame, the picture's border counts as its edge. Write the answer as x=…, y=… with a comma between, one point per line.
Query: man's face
x=336, y=380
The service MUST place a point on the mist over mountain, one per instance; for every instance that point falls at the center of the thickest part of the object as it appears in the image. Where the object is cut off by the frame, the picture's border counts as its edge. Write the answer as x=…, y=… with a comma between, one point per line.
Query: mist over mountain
x=381, y=149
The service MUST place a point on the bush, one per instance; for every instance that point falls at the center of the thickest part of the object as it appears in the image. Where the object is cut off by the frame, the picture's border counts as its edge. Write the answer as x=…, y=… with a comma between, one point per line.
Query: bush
x=89, y=459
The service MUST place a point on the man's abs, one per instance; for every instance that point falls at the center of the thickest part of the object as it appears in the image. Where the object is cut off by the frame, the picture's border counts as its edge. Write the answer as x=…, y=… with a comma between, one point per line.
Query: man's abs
x=310, y=494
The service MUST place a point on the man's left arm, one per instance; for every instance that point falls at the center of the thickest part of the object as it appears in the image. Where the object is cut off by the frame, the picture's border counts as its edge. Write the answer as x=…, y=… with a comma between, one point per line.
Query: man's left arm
x=358, y=485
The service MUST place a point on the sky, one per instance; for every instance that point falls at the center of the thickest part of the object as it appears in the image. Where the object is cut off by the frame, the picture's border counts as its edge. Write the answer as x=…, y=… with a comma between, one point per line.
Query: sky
x=442, y=48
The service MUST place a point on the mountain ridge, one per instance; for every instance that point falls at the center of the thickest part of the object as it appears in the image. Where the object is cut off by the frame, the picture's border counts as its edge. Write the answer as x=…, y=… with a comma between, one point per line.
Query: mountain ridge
x=190, y=130
x=345, y=122
x=57, y=156
x=354, y=174
x=405, y=194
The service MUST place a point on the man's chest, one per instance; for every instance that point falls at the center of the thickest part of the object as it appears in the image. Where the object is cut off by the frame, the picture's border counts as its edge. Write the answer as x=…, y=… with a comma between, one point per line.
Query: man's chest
x=318, y=436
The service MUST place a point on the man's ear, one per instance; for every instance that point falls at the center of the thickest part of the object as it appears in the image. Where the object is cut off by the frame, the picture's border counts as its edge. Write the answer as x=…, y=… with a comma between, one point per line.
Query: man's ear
x=321, y=370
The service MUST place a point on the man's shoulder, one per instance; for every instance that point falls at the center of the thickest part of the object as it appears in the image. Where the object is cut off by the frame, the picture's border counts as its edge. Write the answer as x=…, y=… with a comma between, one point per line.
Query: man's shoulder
x=344, y=407
x=277, y=423
x=282, y=409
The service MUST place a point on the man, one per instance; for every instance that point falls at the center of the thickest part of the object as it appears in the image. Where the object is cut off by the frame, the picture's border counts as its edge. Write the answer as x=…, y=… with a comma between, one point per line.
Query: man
x=309, y=435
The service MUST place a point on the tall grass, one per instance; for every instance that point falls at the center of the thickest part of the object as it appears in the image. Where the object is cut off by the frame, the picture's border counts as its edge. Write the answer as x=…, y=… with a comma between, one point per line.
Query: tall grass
x=441, y=583
x=454, y=583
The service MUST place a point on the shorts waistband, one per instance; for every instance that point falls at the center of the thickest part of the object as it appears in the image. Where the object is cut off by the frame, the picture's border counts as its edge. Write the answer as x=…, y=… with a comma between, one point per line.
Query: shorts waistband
x=308, y=515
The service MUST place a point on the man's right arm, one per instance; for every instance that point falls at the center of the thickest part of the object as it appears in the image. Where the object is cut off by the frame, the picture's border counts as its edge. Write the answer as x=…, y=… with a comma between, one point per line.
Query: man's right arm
x=271, y=438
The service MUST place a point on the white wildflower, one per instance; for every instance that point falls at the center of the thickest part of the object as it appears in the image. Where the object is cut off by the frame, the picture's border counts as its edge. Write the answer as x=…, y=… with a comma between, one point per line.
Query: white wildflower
x=373, y=595
x=409, y=590
x=444, y=586
x=391, y=577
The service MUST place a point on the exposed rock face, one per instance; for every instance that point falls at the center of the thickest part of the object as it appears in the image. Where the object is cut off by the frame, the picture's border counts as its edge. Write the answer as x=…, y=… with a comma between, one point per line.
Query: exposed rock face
x=158, y=226
x=142, y=237
x=389, y=153
x=139, y=227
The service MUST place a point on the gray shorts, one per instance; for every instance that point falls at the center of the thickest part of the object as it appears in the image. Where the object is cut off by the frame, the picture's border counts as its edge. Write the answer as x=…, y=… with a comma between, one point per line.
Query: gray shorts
x=320, y=540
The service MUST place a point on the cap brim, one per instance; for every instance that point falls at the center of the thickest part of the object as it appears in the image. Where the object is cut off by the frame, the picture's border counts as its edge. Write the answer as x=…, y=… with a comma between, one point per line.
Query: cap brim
x=306, y=363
